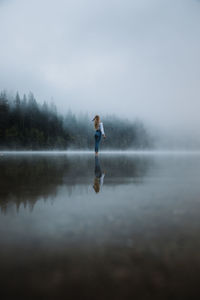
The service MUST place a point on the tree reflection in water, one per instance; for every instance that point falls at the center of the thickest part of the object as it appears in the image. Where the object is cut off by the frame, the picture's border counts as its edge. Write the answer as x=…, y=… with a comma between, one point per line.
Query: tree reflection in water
x=25, y=179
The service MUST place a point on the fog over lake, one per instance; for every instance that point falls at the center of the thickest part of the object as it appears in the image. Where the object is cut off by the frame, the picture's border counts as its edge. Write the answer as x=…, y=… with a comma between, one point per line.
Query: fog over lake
x=66, y=234
x=120, y=77
x=136, y=59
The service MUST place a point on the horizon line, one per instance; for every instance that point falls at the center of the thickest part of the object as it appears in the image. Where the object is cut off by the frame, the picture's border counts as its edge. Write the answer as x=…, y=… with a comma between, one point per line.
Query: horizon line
x=114, y=152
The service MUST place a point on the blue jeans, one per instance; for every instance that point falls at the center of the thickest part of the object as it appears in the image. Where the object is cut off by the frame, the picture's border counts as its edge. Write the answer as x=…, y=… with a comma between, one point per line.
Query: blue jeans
x=97, y=137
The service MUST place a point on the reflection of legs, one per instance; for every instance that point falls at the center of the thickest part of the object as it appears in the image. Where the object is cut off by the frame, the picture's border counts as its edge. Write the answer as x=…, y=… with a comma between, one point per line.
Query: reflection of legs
x=97, y=141
x=97, y=170
x=98, y=173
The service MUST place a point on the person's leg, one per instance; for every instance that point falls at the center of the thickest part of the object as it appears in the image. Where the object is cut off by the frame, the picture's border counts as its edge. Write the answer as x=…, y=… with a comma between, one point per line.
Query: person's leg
x=96, y=144
x=97, y=141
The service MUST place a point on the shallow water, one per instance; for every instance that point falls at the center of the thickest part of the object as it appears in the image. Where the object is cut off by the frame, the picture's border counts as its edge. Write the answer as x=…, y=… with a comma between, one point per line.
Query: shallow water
x=67, y=234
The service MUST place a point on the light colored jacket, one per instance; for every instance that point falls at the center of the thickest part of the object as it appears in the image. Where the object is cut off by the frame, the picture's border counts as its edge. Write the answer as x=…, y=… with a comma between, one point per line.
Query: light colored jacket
x=101, y=128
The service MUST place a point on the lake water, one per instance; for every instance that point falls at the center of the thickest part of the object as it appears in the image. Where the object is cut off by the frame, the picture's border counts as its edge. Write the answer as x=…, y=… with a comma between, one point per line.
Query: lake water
x=124, y=226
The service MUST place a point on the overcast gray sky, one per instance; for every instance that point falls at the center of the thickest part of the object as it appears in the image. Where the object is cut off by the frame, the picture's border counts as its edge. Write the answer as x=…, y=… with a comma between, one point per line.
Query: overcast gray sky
x=135, y=58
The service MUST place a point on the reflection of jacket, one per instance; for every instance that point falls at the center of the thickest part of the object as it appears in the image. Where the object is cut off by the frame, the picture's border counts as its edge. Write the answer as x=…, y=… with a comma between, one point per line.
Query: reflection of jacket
x=101, y=179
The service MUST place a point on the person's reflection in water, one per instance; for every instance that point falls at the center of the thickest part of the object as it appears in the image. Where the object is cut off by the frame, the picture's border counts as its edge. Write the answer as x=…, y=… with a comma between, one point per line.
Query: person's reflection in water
x=99, y=176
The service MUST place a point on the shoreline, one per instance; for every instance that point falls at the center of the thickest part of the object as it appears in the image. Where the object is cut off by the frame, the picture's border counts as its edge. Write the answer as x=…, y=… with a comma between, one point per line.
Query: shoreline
x=105, y=152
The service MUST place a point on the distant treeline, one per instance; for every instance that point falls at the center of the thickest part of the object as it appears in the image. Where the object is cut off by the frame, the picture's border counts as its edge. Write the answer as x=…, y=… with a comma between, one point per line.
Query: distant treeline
x=28, y=125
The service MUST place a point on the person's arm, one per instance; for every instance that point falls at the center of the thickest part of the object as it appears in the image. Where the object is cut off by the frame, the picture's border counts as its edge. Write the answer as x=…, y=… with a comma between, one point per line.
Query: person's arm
x=102, y=130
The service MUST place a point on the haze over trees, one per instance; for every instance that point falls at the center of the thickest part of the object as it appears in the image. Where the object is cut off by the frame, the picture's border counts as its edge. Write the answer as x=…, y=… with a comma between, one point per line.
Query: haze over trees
x=28, y=125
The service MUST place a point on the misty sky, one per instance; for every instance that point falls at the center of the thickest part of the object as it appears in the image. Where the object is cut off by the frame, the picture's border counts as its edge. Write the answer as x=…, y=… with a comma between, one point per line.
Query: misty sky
x=135, y=58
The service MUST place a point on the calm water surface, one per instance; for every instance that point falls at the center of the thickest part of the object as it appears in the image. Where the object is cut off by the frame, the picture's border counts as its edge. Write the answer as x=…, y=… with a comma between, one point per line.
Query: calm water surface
x=118, y=227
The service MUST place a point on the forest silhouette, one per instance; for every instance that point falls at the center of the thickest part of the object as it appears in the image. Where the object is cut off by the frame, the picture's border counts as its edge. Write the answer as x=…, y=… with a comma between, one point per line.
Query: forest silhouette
x=26, y=124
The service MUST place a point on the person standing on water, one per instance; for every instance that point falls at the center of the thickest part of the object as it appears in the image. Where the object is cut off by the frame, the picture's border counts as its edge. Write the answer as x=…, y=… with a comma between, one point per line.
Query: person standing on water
x=98, y=125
